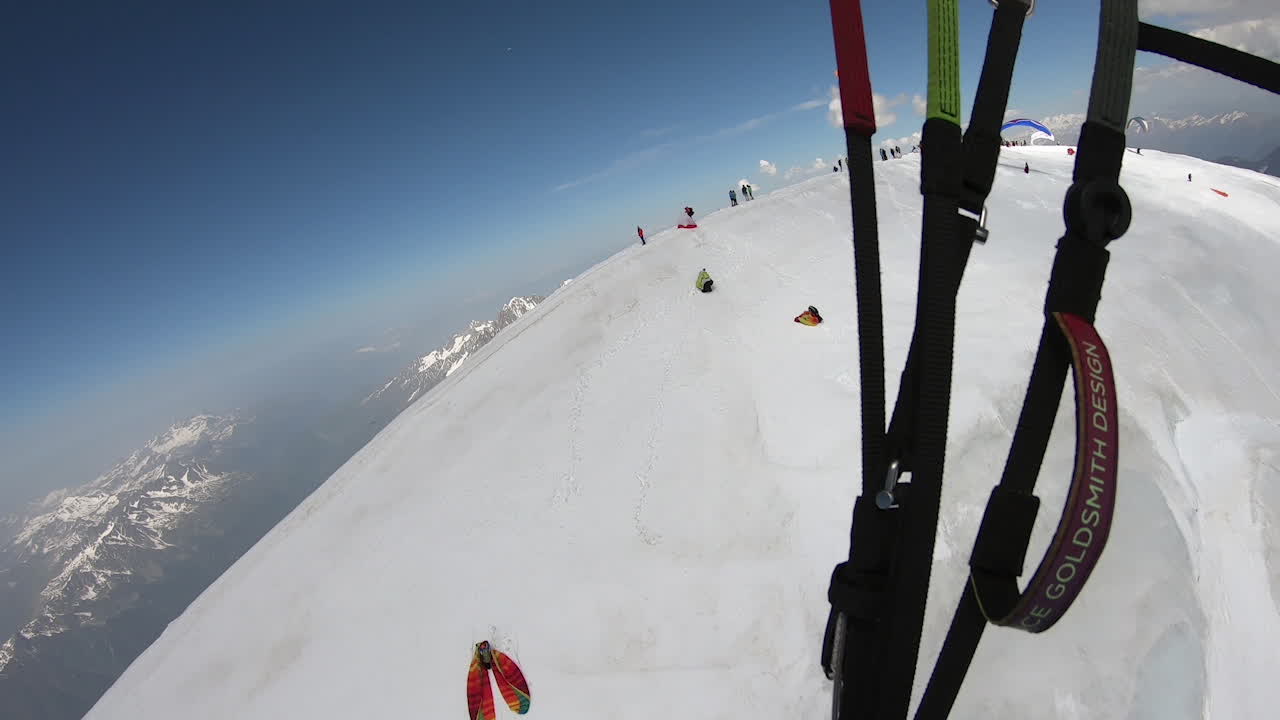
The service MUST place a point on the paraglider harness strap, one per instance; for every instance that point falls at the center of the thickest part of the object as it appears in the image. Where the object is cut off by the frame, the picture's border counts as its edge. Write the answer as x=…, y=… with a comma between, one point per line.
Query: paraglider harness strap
x=1096, y=211
x=1223, y=60
x=981, y=147
x=878, y=596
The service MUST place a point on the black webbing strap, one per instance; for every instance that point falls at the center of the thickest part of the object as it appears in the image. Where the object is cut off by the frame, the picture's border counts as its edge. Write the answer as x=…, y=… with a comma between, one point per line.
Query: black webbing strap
x=879, y=618
x=858, y=589
x=935, y=335
x=1096, y=212
x=1210, y=55
x=980, y=152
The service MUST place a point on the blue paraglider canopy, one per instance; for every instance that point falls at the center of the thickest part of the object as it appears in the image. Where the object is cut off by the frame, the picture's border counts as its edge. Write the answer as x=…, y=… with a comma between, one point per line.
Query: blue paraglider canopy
x=1038, y=129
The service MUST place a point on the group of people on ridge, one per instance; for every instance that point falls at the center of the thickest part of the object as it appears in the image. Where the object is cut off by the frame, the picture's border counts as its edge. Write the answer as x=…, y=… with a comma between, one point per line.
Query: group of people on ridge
x=895, y=152
x=746, y=195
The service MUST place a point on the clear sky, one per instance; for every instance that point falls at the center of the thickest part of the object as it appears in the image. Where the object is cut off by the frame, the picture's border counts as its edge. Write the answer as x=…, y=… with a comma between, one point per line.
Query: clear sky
x=198, y=198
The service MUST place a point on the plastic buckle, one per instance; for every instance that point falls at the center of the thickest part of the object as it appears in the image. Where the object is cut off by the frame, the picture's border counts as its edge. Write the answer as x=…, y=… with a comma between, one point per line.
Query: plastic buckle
x=885, y=499
x=1098, y=209
x=1031, y=5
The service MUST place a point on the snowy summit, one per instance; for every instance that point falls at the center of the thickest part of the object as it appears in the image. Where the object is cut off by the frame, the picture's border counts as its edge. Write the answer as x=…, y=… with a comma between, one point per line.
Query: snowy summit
x=639, y=490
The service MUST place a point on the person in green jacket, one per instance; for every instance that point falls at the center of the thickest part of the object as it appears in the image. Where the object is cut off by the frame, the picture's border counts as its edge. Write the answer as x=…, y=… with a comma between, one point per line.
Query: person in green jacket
x=704, y=281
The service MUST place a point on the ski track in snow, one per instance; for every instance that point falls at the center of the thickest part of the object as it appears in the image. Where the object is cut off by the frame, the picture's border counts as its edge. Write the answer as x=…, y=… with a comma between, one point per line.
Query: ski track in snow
x=639, y=490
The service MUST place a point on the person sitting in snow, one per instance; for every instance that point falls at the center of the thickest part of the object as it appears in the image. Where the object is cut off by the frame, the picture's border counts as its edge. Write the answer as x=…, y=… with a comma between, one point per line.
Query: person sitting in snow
x=704, y=281
x=688, y=211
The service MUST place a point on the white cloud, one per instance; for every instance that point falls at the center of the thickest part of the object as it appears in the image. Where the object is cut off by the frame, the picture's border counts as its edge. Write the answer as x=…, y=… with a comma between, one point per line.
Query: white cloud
x=919, y=104
x=742, y=127
x=1258, y=37
x=809, y=105
x=386, y=348
x=625, y=162
x=1222, y=10
x=819, y=164
x=881, y=104
x=768, y=168
x=657, y=132
x=756, y=122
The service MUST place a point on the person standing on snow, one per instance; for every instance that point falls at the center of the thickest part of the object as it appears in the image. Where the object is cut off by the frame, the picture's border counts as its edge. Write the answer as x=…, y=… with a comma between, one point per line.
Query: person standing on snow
x=751, y=194
x=1026, y=167
x=640, y=232
x=883, y=155
x=733, y=199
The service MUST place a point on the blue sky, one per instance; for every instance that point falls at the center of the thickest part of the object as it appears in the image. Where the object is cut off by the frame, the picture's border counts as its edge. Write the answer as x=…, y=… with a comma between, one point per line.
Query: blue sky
x=196, y=195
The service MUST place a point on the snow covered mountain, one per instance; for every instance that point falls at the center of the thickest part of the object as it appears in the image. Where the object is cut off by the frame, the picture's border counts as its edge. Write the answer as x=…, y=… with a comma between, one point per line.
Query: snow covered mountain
x=88, y=541
x=77, y=569
x=639, y=491
x=90, y=575
x=1234, y=134
x=429, y=369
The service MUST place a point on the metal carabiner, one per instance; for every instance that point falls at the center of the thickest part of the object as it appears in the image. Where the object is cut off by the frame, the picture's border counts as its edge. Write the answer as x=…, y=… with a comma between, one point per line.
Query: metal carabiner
x=884, y=498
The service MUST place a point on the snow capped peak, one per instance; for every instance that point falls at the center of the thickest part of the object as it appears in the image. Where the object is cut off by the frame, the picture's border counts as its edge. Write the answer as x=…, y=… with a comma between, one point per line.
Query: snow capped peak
x=79, y=544
x=519, y=305
x=431, y=368
x=186, y=434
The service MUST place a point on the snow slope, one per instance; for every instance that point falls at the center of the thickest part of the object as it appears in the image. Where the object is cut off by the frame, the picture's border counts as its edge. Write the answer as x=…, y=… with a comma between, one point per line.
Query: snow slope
x=676, y=471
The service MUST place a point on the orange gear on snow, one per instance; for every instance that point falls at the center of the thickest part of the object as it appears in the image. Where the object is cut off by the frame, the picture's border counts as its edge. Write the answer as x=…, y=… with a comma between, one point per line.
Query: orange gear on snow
x=809, y=317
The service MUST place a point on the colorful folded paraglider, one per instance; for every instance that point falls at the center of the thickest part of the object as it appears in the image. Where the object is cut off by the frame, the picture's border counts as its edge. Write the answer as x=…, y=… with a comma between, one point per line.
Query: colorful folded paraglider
x=511, y=683
x=809, y=317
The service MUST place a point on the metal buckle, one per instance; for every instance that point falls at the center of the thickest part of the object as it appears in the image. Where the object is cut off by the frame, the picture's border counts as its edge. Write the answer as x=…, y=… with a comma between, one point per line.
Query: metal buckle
x=980, y=232
x=1031, y=5
x=884, y=498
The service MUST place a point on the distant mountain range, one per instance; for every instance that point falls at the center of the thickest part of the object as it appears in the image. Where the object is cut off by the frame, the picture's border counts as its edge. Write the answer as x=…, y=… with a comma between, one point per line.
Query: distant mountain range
x=90, y=576
x=1241, y=139
x=428, y=370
